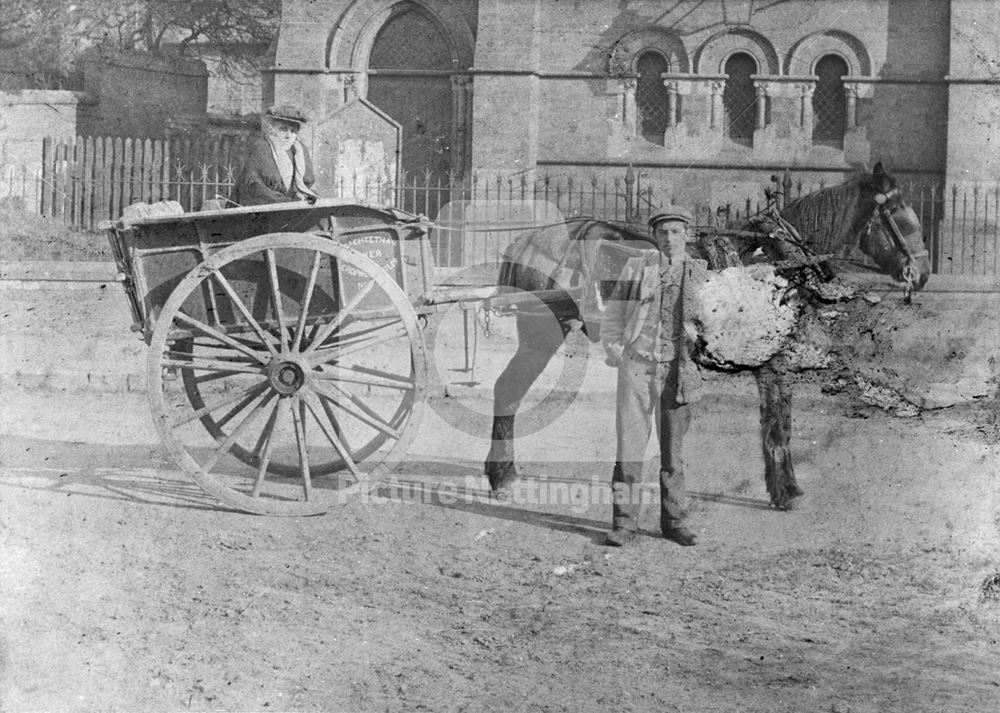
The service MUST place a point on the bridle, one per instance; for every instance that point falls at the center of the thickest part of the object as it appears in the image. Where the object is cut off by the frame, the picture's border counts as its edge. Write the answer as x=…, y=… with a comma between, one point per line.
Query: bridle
x=883, y=213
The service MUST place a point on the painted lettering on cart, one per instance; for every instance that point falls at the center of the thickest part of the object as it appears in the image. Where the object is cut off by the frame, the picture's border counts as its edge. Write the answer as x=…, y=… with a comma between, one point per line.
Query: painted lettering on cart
x=378, y=247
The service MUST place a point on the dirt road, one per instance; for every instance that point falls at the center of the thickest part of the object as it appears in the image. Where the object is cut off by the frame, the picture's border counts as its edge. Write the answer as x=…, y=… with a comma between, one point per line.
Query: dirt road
x=125, y=588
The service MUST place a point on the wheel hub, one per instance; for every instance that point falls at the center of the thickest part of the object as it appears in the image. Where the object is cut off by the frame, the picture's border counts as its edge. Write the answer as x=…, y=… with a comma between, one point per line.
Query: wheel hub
x=286, y=377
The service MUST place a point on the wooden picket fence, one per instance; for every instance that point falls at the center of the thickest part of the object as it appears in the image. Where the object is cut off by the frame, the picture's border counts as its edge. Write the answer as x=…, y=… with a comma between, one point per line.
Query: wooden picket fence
x=93, y=178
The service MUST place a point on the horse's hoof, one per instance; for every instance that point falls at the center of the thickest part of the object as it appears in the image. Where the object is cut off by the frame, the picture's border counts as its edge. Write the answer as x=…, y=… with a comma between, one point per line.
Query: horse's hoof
x=789, y=499
x=500, y=474
x=501, y=495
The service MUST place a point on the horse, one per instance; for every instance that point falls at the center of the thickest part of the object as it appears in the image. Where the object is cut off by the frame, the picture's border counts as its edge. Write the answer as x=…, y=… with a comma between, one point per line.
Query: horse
x=865, y=217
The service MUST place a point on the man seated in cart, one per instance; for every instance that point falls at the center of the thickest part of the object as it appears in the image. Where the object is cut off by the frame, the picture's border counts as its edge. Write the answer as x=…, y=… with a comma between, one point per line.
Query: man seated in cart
x=277, y=167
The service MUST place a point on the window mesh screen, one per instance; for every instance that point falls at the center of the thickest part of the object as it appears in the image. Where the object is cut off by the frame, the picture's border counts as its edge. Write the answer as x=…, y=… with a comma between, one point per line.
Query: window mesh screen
x=651, y=96
x=410, y=40
x=738, y=97
x=829, y=101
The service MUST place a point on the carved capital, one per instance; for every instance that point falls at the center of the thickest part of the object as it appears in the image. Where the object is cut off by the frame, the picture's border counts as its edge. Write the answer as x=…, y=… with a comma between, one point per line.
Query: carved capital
x=806, y=89
x=350, y=85
x=717, y=86
x=619, y=61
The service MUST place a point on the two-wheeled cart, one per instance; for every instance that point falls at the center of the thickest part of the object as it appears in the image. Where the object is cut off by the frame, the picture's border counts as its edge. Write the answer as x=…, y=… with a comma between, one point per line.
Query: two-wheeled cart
x=286, y=366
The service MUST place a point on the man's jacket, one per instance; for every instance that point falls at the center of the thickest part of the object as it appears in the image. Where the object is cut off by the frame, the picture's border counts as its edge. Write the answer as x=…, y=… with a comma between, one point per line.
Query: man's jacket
x=634, y=308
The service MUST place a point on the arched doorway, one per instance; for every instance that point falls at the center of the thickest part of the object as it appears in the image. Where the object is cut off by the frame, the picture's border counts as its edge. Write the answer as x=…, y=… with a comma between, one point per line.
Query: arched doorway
x=410, y=67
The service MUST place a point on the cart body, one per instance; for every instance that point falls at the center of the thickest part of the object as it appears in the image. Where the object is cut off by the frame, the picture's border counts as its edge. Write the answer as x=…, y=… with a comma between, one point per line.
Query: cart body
x=286, y=363
x=154, y=254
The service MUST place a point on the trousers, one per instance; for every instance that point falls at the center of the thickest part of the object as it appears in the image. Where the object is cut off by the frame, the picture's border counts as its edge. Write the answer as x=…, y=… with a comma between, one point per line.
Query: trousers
x=647, y=395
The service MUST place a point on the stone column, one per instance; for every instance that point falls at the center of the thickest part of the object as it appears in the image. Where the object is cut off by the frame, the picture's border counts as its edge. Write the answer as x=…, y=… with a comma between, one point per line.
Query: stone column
x=717, y=88
x=806, y=89
x=857, y=147
x=507, y=106
x=629, y=110
x=851, y=95
x=461, y=119
x=671, y=104
x=760, y=105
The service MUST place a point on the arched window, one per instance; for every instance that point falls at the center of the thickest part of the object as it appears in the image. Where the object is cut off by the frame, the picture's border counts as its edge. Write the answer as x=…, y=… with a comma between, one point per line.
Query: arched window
x=651, y=96
x=409, y=79
x=738, y=97
x=830, y=102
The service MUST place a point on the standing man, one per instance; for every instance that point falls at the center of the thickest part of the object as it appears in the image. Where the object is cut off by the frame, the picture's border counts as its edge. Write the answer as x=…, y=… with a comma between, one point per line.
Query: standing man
x=648, y=335
x=277, y=167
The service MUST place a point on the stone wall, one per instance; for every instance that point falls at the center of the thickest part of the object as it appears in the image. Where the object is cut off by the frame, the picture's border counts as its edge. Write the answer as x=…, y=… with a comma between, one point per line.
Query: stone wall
x=553, y=83
x=26, y=119
x=134, y=94
x=588, y=119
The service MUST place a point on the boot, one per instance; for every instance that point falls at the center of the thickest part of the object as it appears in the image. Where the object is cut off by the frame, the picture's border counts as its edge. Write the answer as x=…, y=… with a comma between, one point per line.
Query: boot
x=675, y=531
x=625, y=507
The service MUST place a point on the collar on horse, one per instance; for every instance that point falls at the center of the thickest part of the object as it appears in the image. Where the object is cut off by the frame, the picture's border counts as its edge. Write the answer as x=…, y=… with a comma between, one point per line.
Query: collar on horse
x=882, y=212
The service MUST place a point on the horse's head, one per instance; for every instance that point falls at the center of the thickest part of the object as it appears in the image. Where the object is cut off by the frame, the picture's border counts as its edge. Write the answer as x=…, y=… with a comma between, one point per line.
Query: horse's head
x=890, y=231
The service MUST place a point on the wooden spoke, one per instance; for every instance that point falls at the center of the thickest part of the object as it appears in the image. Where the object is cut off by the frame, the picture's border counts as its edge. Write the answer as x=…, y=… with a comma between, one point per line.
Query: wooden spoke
x=219, y=336
x=328, y=354
x=211, y=365
x=279, y=312
x=334, y=440
x=345, y=338
x=307, y=301
x=249, y=393
x=237, y=432
x=372, y=371
x=248, y=458
x=236, y=360
x=214, y=376
x=343, y=314
x=366, y=415
x=300, y=438
x=351, y=375
x=265, y=455
x=265, y=338
x=237, y=409
x=335, y=424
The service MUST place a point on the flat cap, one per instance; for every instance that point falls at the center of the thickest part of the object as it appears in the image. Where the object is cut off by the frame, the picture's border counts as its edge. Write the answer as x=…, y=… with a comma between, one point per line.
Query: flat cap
x=286, y=112
x=671, y=212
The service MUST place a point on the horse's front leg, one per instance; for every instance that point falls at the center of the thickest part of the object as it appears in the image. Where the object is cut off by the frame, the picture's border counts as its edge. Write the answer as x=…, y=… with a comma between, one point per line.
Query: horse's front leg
x=539, y=339
x=776, y=432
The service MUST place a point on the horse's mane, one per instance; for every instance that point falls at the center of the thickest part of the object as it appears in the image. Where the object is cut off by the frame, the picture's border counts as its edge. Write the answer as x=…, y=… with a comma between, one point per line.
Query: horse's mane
x=580, y=225
x=826, y=218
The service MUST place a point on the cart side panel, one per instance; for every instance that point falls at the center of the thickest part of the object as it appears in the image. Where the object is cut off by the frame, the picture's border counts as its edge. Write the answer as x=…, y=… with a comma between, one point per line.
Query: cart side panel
x=399, y=250
x=162, y=252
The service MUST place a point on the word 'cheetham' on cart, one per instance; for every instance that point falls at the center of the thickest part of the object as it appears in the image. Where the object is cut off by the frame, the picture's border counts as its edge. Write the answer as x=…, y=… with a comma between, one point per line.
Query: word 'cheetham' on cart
x=287, y=369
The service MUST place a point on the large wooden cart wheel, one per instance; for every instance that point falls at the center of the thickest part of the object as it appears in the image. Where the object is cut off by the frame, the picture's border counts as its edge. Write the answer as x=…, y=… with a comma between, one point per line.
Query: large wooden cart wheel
x=286, y=373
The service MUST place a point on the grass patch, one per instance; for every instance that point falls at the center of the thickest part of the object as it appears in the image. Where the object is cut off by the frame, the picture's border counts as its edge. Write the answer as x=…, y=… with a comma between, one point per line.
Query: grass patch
x=27, y=236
